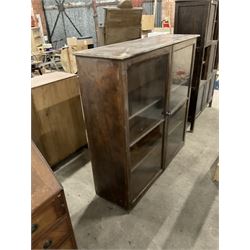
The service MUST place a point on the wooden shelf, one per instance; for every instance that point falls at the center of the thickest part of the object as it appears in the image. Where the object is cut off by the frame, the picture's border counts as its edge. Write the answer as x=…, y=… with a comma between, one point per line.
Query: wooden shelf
x=143, y=109
x=133, y=142
x=177, y=100
x=176, y=86
x=138, y=164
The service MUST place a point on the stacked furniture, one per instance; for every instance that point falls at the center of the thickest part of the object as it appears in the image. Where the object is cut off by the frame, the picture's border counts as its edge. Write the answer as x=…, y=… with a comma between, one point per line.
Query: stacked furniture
x=200, y=17
x=58, y=127
x=51, y=224
x=121, y=24
x=135, y=99
x=36, y=40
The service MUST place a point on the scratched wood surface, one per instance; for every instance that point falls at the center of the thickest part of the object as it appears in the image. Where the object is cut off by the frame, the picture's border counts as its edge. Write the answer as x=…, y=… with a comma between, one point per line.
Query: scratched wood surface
x=125, y=50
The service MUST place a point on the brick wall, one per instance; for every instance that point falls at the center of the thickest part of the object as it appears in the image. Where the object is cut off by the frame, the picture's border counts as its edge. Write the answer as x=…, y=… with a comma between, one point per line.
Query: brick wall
x=38, y=9
x=137, y=3
x=168, y=7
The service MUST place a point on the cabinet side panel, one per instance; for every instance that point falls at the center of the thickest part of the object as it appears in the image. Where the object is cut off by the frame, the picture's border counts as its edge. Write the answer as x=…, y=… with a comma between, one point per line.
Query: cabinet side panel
x=103, y=104
x=195, y=84
x=58, y=112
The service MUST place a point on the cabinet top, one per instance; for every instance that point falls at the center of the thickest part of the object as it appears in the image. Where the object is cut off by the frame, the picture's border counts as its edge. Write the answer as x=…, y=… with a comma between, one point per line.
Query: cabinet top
x=44, y=183
x=122, y=9
x=125, y=50
x=49, y=78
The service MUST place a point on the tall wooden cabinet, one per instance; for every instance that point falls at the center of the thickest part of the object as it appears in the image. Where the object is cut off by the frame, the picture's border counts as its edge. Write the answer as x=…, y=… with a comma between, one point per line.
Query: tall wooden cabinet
x=135, y=99
x=51, y=224
x=200, y=17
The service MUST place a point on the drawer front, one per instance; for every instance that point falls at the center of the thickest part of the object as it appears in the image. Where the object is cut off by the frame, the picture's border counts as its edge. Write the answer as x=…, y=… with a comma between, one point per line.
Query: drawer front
x=68, y=244
x=48, y=216
x=50, y=239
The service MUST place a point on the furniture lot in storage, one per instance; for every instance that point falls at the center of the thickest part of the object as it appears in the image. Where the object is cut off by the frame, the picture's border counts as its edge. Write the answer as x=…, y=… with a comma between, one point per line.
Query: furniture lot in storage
x=135, y=125
x=51, y=225
x=200, y=17
x=58, y=127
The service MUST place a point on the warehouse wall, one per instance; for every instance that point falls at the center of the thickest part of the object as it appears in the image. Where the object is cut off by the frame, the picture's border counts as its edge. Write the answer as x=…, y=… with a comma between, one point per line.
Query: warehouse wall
x=38, y=9
x=168, y=7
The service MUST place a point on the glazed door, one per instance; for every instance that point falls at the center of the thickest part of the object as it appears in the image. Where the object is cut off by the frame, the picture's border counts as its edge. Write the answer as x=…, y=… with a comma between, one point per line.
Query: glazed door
x=147, y=88
x=178, y=99
x=211, y=23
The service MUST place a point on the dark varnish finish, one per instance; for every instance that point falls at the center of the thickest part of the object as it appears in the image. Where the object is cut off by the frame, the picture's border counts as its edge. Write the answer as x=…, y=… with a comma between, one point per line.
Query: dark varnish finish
x=135, y=99
x=200, y=17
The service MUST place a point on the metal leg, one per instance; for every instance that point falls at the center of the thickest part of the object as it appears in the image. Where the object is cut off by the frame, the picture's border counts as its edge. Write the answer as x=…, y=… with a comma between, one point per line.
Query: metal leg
x=54, y=62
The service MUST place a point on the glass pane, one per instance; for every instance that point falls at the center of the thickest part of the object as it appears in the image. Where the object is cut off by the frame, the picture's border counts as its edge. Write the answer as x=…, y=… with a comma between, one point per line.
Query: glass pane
x=176, y=119
x=205, y=63
x=199, y=97
x=182, y=60
x=178, y=97
x=211, y=23
x=211, y=86
x=146, y=158
x=146, y=91
x=175, y=139
x=142, y=122
x=205, y=95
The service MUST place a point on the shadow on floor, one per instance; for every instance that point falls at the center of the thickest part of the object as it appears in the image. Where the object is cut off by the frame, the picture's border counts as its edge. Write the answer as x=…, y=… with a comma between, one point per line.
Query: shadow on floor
x=193, y=215
x=104, y=225
x=73, y=164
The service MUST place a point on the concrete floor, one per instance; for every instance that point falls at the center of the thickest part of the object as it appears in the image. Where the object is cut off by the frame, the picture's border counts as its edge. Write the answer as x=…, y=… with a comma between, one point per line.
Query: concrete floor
x=180, y=210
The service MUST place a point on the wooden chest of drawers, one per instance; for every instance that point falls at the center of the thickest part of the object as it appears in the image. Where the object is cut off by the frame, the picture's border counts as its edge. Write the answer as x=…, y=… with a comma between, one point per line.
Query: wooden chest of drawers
x=51, y=225
x=58, y=128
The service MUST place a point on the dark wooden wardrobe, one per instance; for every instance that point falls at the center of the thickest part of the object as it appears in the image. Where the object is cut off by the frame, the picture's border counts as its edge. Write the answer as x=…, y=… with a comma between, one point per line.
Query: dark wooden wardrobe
x=135, y=99
x=200, y=17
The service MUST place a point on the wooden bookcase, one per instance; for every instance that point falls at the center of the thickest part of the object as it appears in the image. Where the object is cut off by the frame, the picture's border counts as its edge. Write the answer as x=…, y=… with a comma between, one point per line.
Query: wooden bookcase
x=135, y=99
x=200, y=17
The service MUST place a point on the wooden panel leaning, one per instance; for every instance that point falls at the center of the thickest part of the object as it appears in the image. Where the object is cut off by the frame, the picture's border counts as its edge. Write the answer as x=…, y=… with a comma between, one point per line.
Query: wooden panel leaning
x=122, y=24
x=51, y=224
x=135, y=98
x=58, y=127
